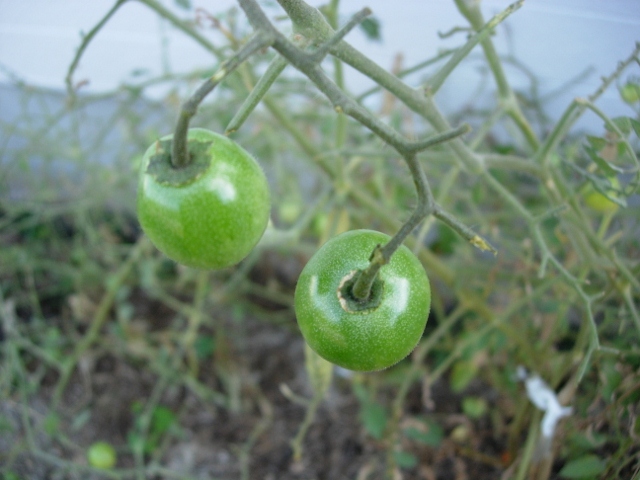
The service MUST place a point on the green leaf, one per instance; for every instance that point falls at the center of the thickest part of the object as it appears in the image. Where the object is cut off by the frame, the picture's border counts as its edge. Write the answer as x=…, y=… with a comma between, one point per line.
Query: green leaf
x=636, y=126
x=598, y=143
x=432, y=436
x=623, y=124
x=5, y=425
x=461, y=374
x=161, y=419
x=371, y=28
x=136, y=442
x=608, y=169
x=51, y=424
x=581, y=443
x=611, y=379
x=374, y=419
x=474, y=407
x=405, y=459
x=204, y=346
x=583, y=467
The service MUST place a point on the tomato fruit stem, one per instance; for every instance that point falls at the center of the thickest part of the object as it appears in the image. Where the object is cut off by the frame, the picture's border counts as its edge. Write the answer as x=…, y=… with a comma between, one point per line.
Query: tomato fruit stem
x=179, y=151
x=363, y=280
x=382, y=254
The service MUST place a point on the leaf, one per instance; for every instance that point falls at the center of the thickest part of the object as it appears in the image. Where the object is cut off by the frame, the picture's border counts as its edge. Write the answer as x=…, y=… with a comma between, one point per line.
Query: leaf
x=623, y=124
x=374, y=419
x=598, y=143
x=432, y=436
x=583, y=467
x=162, y=419
x=608, y=169
x=136, y=442
x=405, y=459
x=636, y=126
x=611, y=379
x=51, y=424
x=621, y=148
x=371, y=28
x=461, y=374
x=474, y=407
x=204, y=346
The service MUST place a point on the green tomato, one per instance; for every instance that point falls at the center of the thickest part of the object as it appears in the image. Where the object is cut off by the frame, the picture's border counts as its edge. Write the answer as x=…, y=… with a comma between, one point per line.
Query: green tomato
x=101, y=455
x=210, y=214
x=362, y=339
x=599, y=202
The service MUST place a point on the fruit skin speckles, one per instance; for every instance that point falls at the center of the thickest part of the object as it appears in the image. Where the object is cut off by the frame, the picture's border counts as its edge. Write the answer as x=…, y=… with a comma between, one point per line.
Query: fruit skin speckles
x=378, y=336
x=209, y=215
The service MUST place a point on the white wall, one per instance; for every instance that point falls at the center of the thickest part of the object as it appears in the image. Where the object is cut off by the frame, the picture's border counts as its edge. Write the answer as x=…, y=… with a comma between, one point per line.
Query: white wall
x=557, y=39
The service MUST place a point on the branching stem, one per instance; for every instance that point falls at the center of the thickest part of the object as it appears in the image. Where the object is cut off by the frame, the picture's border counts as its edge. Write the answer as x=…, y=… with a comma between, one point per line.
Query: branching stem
x=309, y=65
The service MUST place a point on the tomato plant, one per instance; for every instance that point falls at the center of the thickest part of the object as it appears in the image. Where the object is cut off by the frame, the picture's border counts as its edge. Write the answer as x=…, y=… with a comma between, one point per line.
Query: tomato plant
x=369, y=336
x=209, y=214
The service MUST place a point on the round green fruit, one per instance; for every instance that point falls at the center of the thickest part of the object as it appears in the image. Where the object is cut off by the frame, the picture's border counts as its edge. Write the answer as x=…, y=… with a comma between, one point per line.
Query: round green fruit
x=598, y=201
x=369, y=337
x=209, y=214
x=101, y=455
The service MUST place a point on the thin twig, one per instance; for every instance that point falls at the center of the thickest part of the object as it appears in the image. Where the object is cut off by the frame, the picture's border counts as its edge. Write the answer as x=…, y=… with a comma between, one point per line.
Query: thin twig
x=86, y=40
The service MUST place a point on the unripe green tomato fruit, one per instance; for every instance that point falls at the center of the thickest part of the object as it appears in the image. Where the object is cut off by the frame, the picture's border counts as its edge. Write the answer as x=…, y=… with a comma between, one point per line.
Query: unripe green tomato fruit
x=372, y=338
x=599, y=202
x=101, y=455
x=209, y=215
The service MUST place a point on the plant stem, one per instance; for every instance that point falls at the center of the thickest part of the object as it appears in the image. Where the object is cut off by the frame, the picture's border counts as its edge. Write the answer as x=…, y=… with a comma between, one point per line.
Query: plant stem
x=180, y=152
x=471, y=11
x=425, y=206
x=261, y=88
x=86, y=39
x=481, y=36
x=99, y=319
x=304, y=16
x=338, y=75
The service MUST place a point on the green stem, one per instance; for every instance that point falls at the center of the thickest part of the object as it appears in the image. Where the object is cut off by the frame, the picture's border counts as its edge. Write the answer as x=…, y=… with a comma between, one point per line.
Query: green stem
x=482, y=36
x=305, y=16
x=575, y=110
x=338, y=75
x=180, y=152
x=86, y=39
x=261, y=88
x=408, y=71
x=182, y=25
x=99, y=319
x=471, y=11
x=611, y=124
x=381, y=255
